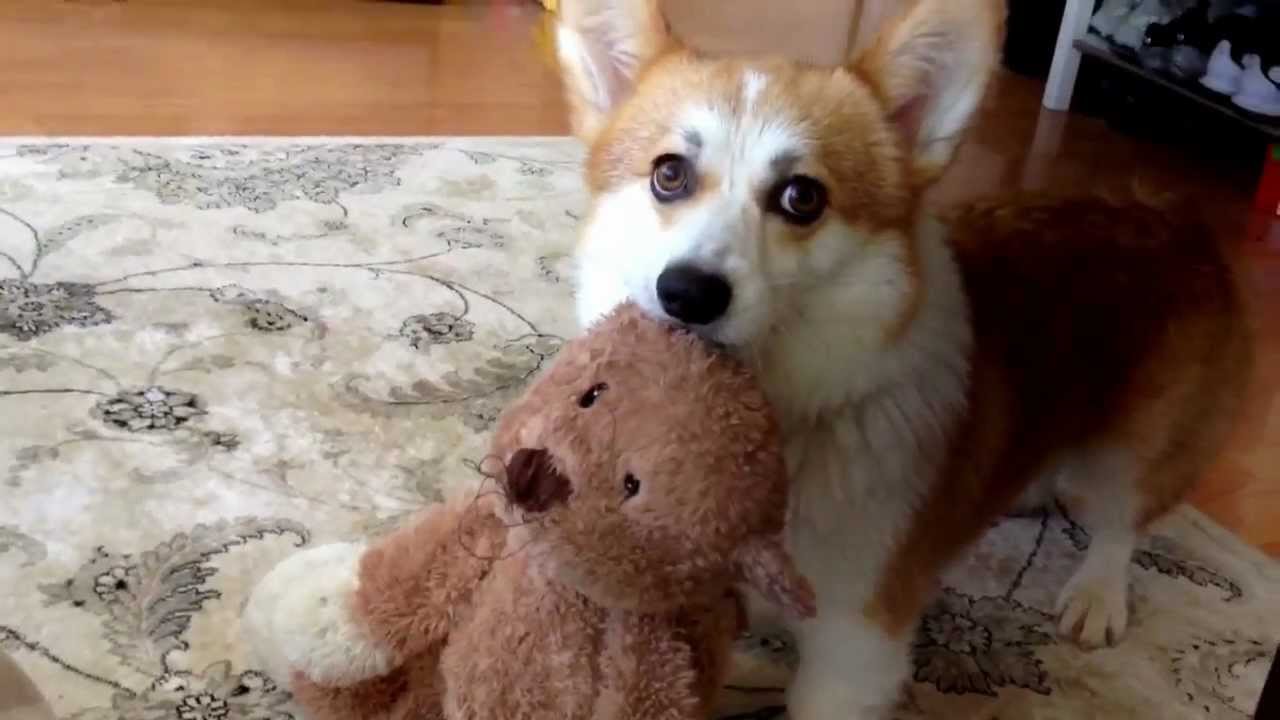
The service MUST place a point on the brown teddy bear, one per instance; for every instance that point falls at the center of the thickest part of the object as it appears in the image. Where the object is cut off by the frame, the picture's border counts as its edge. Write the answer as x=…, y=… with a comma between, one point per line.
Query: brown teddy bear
x=637, y=481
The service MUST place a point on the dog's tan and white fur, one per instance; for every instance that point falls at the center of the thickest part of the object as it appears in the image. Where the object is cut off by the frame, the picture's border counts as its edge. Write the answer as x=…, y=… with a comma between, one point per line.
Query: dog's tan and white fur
x=928, y=375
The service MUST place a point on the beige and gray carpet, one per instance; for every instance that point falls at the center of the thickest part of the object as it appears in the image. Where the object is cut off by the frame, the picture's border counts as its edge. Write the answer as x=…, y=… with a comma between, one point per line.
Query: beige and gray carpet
x=214, y=353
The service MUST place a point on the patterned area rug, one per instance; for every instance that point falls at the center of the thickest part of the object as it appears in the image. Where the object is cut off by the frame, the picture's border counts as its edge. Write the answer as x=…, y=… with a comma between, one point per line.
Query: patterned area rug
x=212, y=354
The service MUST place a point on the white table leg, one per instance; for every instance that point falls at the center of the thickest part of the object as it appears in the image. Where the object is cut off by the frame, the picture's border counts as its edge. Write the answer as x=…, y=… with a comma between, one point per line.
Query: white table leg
x=1066, y=59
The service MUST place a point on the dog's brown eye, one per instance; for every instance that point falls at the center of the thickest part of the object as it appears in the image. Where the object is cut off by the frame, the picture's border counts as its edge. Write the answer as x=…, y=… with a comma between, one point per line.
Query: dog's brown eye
x=670, y=179
x=589, y=397
x=801, y=200
x=630, y=486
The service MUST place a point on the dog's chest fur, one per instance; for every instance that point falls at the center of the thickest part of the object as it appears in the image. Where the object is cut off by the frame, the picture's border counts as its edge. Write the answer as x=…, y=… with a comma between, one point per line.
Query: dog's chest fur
x=868, y=430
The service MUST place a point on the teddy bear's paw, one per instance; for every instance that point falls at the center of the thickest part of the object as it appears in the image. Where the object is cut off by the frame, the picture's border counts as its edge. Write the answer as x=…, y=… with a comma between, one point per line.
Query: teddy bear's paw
x=299, y=619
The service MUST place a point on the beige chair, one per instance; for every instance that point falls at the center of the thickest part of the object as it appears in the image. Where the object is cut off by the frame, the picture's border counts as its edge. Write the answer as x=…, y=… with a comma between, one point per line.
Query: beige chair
x=816, y=31
x=19, y=698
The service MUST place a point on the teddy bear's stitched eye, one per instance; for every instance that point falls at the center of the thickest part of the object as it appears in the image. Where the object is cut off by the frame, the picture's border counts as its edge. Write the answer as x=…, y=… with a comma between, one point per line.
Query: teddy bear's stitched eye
x=589, y=397
x=630, y=486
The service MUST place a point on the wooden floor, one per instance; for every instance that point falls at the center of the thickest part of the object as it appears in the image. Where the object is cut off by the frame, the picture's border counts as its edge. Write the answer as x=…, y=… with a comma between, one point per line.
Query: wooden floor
x=273, y=67
x=353, y=67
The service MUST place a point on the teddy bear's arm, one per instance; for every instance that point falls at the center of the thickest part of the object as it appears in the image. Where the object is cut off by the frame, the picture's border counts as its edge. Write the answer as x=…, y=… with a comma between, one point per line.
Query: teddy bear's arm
x=415, y=581
x=342, y=614
x=655, y=668
x=711, y=633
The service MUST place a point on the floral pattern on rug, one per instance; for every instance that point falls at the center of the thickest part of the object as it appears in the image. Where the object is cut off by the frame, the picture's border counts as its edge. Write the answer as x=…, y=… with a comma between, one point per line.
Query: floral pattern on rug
x=212, y=354
x=976, y=645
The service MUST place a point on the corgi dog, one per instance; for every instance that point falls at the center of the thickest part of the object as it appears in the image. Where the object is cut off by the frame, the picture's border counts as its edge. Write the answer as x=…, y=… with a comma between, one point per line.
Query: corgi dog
x=929, y=376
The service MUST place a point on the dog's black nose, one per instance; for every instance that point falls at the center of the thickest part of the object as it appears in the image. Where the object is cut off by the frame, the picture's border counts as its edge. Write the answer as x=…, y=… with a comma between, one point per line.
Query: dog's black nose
x=692, y=295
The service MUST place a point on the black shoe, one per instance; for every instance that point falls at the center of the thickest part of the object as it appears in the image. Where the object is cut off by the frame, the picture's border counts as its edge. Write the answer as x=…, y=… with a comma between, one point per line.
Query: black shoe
x=1183, y=44
x=1191, y=28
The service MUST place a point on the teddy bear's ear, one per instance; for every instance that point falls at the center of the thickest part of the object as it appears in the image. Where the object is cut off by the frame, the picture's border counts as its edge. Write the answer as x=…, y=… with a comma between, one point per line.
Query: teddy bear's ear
x=765, y=565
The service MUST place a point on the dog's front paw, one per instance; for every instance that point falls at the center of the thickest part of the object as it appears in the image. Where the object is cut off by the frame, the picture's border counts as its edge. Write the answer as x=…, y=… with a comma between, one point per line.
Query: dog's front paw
x=299, y=619
x=1093, y=610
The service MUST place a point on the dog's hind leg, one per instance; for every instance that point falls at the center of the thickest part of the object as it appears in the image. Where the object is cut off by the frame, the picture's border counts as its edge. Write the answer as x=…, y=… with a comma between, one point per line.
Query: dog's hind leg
x=1175, y=420
x=1100, y=493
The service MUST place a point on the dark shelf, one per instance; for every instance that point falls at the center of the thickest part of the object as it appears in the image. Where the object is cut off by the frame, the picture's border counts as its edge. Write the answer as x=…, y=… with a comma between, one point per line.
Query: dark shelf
x=1094, y=46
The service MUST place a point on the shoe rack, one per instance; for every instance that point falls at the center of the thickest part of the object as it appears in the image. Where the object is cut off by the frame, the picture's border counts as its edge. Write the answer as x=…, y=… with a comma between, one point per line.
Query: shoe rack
x=1093, y=46
x=1076, y=42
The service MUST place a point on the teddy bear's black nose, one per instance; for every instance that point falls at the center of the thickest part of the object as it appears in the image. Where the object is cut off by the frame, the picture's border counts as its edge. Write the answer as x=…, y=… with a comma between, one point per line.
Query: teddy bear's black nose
x=533, y=483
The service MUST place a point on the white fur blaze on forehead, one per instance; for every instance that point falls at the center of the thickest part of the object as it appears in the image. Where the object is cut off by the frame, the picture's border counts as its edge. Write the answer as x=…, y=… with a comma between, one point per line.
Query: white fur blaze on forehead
x=753, y=82
x=602, y=46
x=742, y=146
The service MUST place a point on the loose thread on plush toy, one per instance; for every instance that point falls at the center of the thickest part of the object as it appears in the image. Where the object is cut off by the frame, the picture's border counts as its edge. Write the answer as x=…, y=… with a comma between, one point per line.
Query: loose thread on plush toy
x=475, y=501
x=616, y=462
x=500, y=488
x=620, y=472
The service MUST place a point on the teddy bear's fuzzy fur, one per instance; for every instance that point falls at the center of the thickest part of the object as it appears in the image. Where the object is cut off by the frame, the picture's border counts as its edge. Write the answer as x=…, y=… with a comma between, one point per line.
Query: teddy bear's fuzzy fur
x=637, y=481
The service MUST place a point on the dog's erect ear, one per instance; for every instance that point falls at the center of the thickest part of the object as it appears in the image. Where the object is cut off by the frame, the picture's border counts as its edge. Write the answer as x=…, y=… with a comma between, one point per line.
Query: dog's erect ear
x=764, y=565
x=931, y=67
x=602, y=46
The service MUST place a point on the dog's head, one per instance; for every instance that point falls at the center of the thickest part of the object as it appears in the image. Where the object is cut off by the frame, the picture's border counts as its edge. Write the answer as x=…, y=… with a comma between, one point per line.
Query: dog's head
x=734, y=194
